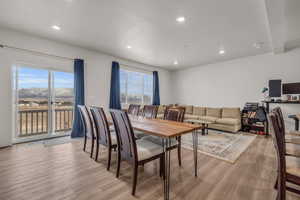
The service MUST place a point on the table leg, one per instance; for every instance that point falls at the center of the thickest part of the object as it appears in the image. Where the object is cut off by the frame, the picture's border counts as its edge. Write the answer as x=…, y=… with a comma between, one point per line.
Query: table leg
x=203, y=129
x=166, y=145
x=195, y=147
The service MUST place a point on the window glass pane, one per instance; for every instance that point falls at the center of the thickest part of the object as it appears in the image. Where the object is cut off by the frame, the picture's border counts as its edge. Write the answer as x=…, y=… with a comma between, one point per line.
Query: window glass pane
x=123, y=77
x=63, y=89
x=136, y=87
x=148, y=88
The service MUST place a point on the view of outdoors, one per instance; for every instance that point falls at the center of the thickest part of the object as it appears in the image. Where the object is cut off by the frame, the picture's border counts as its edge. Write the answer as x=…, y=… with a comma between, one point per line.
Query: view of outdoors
x=136, y=87
x=36, y=87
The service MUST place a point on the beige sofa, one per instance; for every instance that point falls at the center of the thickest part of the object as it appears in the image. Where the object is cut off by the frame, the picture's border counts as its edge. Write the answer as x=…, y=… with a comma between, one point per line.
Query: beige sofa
x=225, y=119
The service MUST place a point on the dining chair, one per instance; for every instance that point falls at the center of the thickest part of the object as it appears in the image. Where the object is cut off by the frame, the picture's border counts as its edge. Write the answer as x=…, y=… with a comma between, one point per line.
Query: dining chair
x=87, y=128
x=133, y=109
x=149, y=112
x=103, y=134
x=136, y=152
x=172, y=114
x=292, y=141
x=288, y=166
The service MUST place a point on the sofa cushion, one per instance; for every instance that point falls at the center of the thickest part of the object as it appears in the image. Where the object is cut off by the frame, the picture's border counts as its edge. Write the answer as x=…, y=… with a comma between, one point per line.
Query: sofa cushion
x=200, y=111
x=228, y=121
x=189, y=116
x=231, y=113
x=208, y=118
x=213, y=112
x=188, y=109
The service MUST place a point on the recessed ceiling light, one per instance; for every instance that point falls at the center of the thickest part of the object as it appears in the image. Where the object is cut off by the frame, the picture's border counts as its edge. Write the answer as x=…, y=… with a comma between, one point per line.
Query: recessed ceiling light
x=129, y=47
x=180, y=19
x=221, y=51
x=175, y=62
x=55, y=27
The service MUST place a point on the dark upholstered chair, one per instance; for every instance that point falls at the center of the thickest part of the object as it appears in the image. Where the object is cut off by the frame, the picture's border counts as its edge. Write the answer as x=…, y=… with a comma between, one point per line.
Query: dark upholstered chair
x=172, y=114
x=136, y=152
x=87, y=127
x=102, y=132
x=288, y=166
x=150, y=112
x=133, y=109
x=292, y=141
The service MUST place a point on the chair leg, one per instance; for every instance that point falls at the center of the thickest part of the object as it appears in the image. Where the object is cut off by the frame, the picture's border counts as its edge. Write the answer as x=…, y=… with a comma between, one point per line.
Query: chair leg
x=92, y=148
x=84, y=143
x=118, y=164
x=160, y=166
x=179, y=151
x=109, y=158
x=97, y=151
x=135, y=175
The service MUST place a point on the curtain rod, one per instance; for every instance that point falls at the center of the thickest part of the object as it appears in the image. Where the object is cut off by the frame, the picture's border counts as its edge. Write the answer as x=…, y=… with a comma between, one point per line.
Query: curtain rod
x=33, y=51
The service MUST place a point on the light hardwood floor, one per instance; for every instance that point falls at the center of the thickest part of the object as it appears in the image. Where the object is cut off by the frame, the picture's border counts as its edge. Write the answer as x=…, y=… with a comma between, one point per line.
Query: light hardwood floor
x=32, y=172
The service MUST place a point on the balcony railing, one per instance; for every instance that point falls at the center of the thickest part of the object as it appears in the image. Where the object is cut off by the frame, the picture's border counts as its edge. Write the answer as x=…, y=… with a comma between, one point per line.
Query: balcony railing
x=36, y=122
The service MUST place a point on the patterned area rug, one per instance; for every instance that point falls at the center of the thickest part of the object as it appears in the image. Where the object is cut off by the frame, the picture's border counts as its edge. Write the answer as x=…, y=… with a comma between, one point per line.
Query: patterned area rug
x=220, y=145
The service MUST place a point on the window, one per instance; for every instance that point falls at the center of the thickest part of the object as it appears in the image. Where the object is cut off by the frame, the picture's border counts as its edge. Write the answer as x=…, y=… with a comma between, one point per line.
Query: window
x=136, y=87
x=44, y=105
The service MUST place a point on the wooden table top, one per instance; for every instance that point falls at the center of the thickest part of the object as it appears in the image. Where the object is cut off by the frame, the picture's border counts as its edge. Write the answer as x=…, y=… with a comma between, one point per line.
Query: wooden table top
x=159, y=127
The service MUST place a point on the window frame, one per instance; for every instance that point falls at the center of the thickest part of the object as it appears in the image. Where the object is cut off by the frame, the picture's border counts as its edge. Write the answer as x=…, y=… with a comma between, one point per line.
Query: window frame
x=144, y=72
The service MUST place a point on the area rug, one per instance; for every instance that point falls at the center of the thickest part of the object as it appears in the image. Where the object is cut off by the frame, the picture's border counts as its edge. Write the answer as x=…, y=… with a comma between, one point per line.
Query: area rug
x=221, y=145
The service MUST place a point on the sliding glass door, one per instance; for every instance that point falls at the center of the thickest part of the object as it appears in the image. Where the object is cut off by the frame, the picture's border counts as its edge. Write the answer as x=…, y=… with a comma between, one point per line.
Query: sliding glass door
x=44, y=103
x=62, y=101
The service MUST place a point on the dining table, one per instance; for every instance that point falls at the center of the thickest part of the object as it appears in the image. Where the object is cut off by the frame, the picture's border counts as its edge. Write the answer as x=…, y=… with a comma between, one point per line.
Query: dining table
x=167, y=130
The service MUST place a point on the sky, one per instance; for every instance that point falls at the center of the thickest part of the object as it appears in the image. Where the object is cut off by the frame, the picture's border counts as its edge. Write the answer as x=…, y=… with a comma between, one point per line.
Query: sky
x=38, y=78
x=135, y=82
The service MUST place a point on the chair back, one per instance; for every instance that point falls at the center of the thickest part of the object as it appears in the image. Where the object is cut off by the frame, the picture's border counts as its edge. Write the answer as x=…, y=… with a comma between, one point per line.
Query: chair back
x=279, y=143
x=125, y=135
x=281, y=120
x=174, y=113
x=101, y=126
x=87, y=123
x=133, y=109
x=150, y=111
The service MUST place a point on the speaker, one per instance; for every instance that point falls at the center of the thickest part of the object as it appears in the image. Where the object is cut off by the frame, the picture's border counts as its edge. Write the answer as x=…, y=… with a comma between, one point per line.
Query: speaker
x=275, y=88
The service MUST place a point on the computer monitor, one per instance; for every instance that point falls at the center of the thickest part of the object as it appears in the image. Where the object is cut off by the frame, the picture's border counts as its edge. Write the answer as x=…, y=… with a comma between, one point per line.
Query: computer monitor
x=275, y=88
x=291, y=88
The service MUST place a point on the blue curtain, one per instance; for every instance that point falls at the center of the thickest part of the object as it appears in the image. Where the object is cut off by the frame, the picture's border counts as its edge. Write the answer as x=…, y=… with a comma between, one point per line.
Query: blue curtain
x=77, y=130
x=114, y=101
x=156, y=98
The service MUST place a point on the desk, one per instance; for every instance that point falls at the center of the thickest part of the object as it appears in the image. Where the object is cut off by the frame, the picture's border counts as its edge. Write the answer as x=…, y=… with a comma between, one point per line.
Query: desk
x=280, y=102
x=166, y=130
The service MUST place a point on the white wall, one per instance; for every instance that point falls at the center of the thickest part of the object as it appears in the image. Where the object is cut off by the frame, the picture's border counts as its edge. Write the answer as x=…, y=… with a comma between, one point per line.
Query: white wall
x=97, y=72
x=235, y=82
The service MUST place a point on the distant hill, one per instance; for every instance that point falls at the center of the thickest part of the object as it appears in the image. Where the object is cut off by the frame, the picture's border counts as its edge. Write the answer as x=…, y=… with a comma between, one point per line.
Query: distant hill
x=43, y=93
